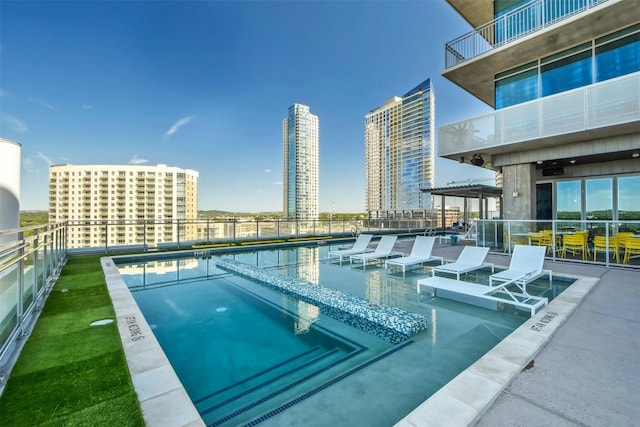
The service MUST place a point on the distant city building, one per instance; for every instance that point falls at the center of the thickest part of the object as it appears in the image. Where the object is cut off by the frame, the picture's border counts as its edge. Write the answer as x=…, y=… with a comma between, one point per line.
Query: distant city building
x=563, y=78
x=9, y=187
x=127, y=197
x=399, y=152
x=300, y=144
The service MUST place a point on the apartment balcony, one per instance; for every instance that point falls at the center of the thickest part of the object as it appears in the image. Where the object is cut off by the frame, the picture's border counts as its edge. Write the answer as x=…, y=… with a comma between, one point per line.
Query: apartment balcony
x=601, y=110
x=536, y=29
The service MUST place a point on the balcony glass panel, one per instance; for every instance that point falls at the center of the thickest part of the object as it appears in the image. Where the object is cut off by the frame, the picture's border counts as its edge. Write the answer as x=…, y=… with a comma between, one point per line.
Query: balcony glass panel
x=563, y=113
x=610, y=103
x=613, y=102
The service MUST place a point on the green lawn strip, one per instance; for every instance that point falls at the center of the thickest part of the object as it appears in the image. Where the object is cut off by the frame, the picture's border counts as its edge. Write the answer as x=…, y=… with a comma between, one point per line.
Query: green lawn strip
x=68, y=389
x=70, y=373
x=115, y=412
x=59, y=350
x=79, y=320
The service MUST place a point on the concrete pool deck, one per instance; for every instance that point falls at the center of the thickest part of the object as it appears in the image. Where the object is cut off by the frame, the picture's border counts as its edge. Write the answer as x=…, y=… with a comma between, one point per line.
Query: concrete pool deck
x=586, y=374
x=584, y=347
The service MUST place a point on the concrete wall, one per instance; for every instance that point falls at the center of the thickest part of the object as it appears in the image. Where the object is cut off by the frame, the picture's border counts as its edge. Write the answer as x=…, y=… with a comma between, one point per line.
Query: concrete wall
x=519, y=191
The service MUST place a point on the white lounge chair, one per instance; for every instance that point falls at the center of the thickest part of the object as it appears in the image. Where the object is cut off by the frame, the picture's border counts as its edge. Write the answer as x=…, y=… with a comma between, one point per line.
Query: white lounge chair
x=526, y=266
x=360, y=246
x=420, y=253
x=471, y=258
x=383, y=250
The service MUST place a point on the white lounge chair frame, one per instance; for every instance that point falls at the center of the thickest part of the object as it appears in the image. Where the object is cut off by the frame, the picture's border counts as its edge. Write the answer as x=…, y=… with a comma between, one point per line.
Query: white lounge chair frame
x=526, y=265
x=383, y=250
x=360, y=246
x=420, y=253
x=472, y=293
x=471, y=258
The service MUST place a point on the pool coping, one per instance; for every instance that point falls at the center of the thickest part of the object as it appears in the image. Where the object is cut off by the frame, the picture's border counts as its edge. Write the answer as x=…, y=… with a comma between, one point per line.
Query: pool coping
x=162, y=397
x=461, y=402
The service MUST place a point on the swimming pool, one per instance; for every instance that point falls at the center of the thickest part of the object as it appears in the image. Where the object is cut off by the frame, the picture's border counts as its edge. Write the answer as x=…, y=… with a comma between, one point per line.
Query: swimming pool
x=366, y=368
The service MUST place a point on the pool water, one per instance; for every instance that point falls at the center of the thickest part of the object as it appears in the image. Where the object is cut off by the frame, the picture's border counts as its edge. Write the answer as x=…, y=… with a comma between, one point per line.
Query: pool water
x=245, y=353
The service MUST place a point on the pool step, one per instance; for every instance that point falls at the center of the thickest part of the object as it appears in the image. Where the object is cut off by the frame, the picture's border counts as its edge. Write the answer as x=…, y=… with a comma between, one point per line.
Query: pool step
x=228, y=405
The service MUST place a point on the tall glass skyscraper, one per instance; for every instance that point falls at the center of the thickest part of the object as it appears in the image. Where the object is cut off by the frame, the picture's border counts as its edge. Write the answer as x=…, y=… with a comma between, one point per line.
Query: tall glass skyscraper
x=399, y=151
x=300, y=143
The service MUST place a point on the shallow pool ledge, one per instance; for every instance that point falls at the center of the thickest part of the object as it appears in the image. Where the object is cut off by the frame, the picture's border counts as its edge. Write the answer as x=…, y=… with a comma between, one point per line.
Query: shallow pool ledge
x=389, y=323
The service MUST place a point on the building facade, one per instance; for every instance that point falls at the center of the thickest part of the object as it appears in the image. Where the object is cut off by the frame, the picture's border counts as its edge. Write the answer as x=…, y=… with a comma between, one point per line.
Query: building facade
x=141, y=204
x=564, y=79
x=301, y=160
x=399, y=152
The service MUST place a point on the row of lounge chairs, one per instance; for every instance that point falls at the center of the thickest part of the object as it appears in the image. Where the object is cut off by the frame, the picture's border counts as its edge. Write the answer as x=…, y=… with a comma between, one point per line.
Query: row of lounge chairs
x=508, y=286
x=361, y=253
x=526, y=263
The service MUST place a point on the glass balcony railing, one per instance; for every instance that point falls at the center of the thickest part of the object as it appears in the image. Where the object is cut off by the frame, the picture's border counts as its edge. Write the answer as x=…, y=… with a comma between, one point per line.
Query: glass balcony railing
x=606, y=104
x=529, y=18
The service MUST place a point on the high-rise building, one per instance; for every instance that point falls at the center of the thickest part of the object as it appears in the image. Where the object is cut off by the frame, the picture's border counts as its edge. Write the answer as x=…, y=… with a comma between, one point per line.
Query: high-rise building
x=563, y=77
x=126, y=197
x=399, y=151
x=301, y=157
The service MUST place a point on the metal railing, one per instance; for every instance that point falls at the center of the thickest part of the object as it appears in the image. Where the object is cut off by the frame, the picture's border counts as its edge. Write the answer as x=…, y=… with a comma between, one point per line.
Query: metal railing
x=144, y=235
x=502, y=235
x=605, y=104
x=30, y=261
x=529, y=18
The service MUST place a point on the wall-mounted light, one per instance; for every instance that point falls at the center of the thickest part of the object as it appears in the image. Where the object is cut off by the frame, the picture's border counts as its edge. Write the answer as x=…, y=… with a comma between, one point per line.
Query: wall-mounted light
x=477, y=160
x=572, y=161
x=539, y=162
x=635, y=155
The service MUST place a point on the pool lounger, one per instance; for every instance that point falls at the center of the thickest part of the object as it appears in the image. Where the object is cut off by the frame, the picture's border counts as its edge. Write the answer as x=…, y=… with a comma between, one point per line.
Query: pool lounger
x=481, y=295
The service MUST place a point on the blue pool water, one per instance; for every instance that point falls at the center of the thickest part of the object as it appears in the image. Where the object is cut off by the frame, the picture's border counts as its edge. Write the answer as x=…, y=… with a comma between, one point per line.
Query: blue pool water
x=245, y=352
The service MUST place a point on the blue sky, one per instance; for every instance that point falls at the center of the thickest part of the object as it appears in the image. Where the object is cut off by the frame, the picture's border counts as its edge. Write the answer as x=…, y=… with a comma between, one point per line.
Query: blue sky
x=204, y=85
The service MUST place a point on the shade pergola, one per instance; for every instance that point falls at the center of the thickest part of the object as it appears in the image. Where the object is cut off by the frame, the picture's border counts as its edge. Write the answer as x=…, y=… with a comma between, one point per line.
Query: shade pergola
x=469, y=191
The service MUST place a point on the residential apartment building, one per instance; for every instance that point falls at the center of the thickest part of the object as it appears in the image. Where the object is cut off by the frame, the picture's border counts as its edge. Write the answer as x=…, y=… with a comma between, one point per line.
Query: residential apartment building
x=564, y=79
x=301, y=159
x=399, y=152
x=139, y=204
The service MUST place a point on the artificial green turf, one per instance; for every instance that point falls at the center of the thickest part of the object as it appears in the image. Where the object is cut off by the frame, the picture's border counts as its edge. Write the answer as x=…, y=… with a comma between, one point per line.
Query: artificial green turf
x=70, y=373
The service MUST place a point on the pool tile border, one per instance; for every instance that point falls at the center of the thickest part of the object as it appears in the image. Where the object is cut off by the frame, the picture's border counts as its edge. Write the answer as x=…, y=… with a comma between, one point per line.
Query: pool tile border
x=463, y=400
x=163, y=399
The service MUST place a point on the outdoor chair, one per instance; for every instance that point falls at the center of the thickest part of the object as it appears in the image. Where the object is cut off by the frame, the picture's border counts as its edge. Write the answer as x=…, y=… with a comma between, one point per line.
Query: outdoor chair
x=420, y=253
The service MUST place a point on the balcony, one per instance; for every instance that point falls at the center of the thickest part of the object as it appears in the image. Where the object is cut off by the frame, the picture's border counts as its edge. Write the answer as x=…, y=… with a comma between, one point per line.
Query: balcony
x=525, y=34
x=600, y=110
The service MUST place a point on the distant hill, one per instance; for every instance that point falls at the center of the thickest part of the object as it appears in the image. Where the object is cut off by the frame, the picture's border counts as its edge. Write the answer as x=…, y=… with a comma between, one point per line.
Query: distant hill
x=29, y=218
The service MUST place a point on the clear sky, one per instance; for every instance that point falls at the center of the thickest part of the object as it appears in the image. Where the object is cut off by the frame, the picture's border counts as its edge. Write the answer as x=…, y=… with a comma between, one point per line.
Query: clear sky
x=205, y=85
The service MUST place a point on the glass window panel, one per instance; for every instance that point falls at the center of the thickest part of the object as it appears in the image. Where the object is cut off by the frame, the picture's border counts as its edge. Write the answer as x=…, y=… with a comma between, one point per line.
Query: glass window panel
x=517, y=89
x=618, y=58
x=599, y=199
x=628, y=200
x=566, y=74
x=568, y=200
